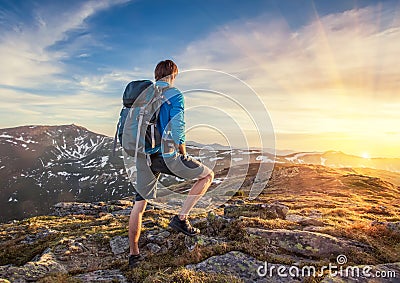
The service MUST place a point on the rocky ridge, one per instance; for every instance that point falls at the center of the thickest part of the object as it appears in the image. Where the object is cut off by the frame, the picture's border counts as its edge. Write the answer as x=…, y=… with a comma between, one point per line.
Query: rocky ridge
x=230, y=245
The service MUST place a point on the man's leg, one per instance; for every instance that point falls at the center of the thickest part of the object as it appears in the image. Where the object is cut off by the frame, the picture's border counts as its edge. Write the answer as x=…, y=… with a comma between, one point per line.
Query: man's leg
x=135, y=225
x=195, y=193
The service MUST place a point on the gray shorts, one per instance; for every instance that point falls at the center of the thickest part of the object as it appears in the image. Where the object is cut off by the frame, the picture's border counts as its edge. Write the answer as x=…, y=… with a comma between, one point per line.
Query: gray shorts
x=178, y=165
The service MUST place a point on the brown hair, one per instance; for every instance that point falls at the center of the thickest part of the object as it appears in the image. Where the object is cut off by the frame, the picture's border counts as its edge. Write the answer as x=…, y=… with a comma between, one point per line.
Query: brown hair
x=164, y=69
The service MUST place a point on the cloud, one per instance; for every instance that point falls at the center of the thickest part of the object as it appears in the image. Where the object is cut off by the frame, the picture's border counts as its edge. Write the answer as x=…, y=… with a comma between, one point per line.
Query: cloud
x=354, y=50
x=87, y=109
x=337, y=72
x=26, y=46
x=110, y=82
x=38, y=87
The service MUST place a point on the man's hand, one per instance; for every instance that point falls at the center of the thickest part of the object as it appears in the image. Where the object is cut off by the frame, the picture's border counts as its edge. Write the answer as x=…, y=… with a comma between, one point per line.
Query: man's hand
x=182, y=149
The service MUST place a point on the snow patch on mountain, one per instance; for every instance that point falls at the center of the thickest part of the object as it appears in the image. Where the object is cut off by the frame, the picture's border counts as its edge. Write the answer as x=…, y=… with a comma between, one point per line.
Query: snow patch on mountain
x=6, y=136
x=104, y=161
x=264, y=159
x=296, y=157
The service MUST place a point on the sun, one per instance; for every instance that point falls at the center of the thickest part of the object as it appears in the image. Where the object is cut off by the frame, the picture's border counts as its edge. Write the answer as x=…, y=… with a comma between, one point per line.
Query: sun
x=365, y=155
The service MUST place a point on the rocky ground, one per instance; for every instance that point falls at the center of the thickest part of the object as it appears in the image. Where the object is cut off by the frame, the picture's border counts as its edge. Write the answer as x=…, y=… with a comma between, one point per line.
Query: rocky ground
x=308, y=216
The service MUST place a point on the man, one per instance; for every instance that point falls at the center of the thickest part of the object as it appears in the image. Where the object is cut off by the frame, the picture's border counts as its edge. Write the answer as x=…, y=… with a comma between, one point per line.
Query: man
x=168, y=155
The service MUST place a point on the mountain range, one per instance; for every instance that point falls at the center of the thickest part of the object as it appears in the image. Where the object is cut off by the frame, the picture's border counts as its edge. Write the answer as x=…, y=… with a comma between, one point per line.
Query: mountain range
x=43, y=165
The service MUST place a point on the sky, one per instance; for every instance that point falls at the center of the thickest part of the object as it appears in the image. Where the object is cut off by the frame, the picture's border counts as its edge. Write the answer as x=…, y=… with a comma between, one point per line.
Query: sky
x=326, y=73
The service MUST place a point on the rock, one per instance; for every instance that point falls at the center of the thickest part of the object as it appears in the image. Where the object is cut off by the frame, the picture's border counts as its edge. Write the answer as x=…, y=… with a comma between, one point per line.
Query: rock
x=154, y=248
x=30, y=239
x=304, y=220
x=314, y=229
x=315, y=213
x=150, y=207
x=77, y=247
x=200, y=240
x=113, y=275
x=158, y=236
x=309, y=244
x=149, y=224
x=280, y=209
x=93, y=209
x=33, y=270
x=119, y=244
x=264, y=211
x=121, y=202
x=197, y=221
x=170, y=244
x=77, y=208
x=70, y=246
x=239, y=265
x=164, y=234
x=392, y=226
x=125, y=212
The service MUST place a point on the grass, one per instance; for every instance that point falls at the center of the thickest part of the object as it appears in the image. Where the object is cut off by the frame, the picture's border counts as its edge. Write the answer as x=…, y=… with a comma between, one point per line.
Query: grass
x=59, y=278
x=346, y=203
x=183, y=275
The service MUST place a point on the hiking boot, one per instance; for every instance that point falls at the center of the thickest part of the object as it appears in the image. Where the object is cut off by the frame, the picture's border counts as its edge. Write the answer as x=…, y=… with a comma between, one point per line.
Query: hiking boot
x=134, y=260
x=183, y=226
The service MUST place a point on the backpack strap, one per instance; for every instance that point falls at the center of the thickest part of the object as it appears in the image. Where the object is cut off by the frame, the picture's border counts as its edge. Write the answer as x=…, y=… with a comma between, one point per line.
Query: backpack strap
x=164, y=89
x=115, y=140
x=140, y=122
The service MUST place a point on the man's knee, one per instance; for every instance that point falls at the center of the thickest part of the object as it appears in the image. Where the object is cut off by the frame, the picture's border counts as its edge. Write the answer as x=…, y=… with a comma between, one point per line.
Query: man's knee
x=139, y=206
x=209, y=177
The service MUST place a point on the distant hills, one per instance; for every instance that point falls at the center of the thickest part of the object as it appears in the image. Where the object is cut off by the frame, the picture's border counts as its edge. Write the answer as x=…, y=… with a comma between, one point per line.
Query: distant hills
x=43, y=165
x=339, y=159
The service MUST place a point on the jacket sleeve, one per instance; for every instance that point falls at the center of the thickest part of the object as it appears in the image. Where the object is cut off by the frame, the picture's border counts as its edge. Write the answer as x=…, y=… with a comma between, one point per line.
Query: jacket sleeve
x=177, y=117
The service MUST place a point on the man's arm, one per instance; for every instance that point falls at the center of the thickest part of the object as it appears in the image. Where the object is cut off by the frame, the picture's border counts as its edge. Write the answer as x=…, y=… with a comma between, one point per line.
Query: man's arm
x=178, y=121
x=182, y=148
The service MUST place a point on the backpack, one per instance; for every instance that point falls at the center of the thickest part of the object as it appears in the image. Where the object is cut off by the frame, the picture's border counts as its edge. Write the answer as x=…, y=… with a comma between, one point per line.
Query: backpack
x=137, y=130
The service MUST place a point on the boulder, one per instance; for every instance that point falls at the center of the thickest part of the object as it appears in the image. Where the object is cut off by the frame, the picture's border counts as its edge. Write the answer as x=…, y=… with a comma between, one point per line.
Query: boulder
x=305, y=243
x=119, y=244
x=304, y=220
x=392, y=226
x=158, y=236
x=93, y=209
x=240, y=265
x=262, y=210
x=43, y=233
x=200, y=240
x=154, y=248
x=77, y=208
x=113, y=275
x=33, y=270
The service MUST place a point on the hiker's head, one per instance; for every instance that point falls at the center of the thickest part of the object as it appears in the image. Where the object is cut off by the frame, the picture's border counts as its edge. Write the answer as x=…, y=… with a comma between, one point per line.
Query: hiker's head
x=166, y=71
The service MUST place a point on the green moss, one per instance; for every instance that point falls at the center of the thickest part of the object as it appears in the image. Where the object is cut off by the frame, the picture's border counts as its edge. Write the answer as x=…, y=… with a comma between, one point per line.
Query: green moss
x=13, y=252
x=183, y=275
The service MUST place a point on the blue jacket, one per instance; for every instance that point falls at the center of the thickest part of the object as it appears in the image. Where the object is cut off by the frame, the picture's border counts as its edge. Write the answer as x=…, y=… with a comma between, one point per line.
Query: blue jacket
x=172, y=113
